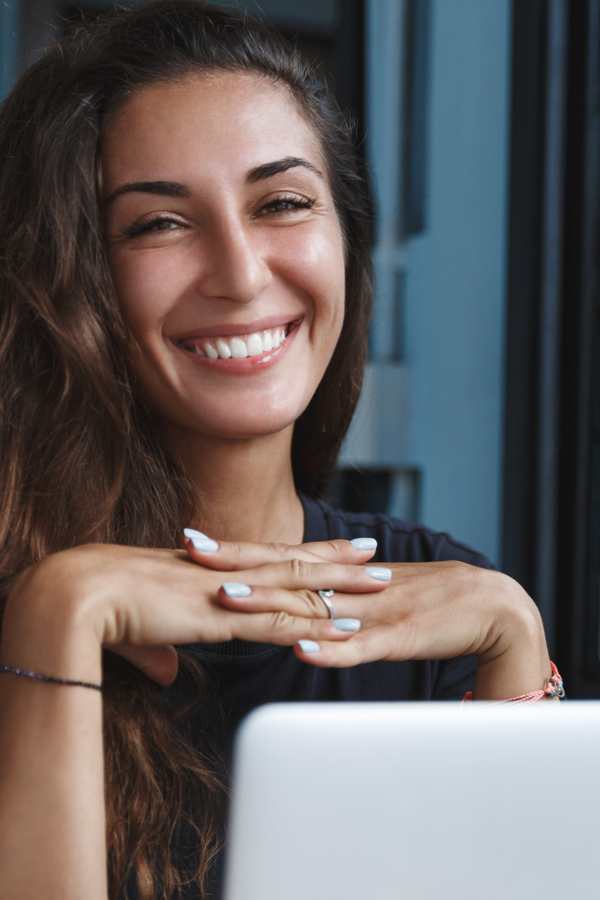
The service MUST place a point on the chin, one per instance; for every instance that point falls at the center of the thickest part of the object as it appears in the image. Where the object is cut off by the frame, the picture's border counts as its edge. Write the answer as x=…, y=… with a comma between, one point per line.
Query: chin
x=256, y=415
x=249, y=427
x=232, y=421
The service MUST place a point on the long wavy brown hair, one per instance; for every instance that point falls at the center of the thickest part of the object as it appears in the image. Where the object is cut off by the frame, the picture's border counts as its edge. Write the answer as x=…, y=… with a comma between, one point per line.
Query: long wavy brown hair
x=79, y=458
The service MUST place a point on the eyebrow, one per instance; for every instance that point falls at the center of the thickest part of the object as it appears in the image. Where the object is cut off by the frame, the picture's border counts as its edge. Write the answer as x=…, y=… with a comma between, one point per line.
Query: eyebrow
x=176, y=189
x=164, y=188
x=268, y=170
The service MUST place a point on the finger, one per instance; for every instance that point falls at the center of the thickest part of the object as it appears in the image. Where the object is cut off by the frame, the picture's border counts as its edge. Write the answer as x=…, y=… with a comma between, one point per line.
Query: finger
x=340, y=550
x=303, y=603
x=158, y=663
x=283, y=629
x=230, y=556
x=369, y=645
x=298, y=575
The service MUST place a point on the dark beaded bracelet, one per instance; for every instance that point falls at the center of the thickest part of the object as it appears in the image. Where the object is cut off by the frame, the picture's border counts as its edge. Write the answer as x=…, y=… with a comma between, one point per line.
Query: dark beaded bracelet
x=11, y=670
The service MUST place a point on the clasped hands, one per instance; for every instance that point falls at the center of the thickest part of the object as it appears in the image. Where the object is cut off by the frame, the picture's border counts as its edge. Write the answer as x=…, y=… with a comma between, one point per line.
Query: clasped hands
x=431, y=610
x=141, y=602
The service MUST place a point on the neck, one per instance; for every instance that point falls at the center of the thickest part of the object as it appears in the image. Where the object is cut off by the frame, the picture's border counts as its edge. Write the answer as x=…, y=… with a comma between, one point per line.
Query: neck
x=245, y=488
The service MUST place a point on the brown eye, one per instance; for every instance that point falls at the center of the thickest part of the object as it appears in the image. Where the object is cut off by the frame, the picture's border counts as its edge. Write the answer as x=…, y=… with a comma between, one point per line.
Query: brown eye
x=285, y=205
x=160, y=223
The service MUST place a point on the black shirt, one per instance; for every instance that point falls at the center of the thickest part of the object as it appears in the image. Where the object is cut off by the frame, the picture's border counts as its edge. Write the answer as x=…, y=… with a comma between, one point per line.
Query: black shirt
x=245, y=674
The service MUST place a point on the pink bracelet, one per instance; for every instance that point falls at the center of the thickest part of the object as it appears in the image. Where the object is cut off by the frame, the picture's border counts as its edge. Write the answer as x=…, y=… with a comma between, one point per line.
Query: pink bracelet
x=554, y=689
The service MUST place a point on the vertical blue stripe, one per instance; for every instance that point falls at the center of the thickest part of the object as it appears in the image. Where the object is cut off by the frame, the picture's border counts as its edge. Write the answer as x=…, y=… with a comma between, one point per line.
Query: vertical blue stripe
x=9, y=43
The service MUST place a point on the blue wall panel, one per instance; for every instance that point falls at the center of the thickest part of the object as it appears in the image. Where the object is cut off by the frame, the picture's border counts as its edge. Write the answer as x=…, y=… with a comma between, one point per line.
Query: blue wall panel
x=456, y=275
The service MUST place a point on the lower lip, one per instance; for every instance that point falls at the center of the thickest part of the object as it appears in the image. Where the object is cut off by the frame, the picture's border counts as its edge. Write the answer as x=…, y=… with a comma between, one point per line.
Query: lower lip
x=247, y=366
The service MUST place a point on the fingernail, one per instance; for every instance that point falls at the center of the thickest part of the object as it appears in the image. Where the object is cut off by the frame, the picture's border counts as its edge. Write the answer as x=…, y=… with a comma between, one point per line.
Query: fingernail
x=234, y=589
x=364, y=543
x=191, y=533
x=347, y=624
x=201, y=542
x=379, y=574
x=204, y=545
x=309, y=646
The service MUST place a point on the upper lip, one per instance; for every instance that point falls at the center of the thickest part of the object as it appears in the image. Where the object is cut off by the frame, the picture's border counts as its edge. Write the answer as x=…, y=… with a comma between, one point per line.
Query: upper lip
x=230, y=330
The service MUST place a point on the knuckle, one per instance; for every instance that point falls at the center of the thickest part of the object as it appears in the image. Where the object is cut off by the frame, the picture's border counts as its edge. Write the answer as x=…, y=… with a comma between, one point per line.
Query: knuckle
x=279, y=623
x=281, y=551
x=336, y=546
x=235, y=548
x=300, y=570
x=314, y=604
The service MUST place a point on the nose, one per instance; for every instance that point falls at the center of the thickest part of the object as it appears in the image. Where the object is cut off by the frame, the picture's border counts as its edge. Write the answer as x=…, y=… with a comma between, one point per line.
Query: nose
x=235, y=267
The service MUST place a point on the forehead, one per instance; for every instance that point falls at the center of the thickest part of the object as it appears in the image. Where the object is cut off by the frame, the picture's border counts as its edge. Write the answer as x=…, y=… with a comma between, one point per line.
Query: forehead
x=209, y=127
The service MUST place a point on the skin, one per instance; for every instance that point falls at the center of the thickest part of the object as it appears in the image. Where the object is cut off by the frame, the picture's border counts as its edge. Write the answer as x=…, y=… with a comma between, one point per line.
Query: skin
x=235, y=251
x=225, y=259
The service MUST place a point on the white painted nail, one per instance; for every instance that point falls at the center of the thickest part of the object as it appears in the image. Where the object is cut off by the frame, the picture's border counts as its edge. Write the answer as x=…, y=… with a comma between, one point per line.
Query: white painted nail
x=364, y=543
x=204, y=545
x=235, y=589
x=379, y=574
x=309, y=646
x=347, y=624
x=191, y=533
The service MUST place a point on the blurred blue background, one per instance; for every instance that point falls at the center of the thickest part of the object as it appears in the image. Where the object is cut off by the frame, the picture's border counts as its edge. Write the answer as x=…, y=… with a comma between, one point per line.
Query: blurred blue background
x=478, y=125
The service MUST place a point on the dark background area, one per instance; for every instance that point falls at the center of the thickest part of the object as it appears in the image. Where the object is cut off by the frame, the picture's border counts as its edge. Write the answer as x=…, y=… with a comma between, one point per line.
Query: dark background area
x=552, y=421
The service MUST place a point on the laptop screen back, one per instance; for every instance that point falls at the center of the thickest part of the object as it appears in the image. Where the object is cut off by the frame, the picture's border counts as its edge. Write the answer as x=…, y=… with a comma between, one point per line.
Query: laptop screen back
x=416, y=801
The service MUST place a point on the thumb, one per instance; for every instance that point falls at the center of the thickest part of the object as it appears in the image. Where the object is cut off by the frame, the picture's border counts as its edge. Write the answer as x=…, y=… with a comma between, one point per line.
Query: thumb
x=158, y=663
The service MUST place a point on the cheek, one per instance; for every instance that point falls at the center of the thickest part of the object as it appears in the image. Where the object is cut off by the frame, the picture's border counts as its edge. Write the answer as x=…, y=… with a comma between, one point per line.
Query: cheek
x=147, y=285
x=315, y=265
x=328, y=289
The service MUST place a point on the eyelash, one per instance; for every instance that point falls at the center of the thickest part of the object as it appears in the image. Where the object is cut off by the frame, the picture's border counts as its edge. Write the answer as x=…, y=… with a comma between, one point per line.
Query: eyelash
x=139, y=228
x=294, y=202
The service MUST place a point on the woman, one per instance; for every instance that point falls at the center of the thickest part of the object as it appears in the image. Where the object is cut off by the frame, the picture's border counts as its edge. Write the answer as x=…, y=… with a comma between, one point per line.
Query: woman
x=185, y=289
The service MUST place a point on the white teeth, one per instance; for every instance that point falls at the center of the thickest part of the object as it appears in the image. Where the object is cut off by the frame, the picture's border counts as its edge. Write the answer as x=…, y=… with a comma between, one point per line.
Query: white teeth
x=223, y=348
x=254, y=344
x=238, y=348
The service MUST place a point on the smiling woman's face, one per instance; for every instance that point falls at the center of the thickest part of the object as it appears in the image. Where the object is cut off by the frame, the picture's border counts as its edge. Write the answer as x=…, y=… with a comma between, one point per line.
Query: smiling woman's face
x=226, y=252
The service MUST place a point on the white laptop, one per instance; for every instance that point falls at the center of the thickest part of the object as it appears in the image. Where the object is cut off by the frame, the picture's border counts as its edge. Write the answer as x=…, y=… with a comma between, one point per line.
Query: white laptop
x=416, y=801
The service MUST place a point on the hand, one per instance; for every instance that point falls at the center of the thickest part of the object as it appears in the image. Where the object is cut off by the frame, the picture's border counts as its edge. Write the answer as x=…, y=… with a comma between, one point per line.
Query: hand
x=139, y=601
x=432, y=611
x=160, y=663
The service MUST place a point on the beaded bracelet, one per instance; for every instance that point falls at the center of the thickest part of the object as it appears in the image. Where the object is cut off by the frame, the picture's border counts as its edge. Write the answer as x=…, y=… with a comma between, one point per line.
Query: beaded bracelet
x=554, y=688
x=11, y=670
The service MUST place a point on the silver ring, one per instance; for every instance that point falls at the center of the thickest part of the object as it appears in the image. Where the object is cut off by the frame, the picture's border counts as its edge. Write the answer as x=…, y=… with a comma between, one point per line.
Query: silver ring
x=325, y=595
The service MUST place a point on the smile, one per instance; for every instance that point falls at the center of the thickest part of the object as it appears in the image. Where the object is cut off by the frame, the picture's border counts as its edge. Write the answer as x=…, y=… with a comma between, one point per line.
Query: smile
x=239, y=346
x=240, y=350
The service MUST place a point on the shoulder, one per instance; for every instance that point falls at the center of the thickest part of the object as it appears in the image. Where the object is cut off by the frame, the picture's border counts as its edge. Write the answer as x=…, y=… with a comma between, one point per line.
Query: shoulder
x=397, y=541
